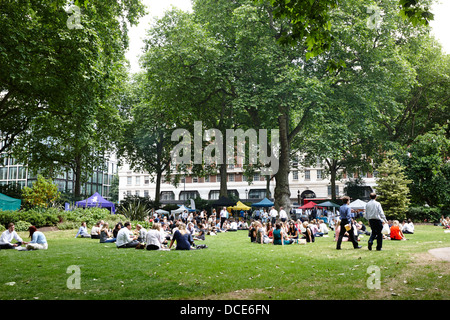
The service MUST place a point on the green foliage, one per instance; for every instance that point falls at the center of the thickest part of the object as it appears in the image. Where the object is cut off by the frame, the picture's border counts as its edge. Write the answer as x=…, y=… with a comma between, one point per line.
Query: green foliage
x=392, y=189
x=425, y=214
x=429, y=169
x=42, y=194
x=22, y=225
x=135, y=210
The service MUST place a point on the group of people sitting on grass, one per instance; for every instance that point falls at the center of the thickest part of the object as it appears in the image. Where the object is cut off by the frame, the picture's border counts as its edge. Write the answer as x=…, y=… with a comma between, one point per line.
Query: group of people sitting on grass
x=162, y=235
x=287, y=232
x=444, y=222
x=38, y=240
x=392, y=230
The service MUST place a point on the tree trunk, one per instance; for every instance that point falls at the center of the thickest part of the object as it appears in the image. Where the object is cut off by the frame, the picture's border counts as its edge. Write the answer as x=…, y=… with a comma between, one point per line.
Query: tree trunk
x=77, y=174
x=282, y=192
x=158, y=188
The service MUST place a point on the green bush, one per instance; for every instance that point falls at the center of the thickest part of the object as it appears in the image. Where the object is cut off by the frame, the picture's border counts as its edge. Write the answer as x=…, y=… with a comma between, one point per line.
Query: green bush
x=22, y=225
x=424, y=214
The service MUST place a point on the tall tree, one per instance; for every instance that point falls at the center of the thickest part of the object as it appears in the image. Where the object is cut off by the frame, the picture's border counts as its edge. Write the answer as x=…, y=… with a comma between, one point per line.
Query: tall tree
x=57, y=74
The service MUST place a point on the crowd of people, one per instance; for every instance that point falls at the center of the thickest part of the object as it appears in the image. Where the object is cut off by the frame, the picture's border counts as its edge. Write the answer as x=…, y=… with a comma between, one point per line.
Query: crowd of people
x=263, y=226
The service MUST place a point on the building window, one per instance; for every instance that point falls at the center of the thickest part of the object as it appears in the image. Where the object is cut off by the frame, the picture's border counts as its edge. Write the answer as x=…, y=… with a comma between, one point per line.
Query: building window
x=146, y=193
x=138, y=180
x=307, y=174
x=3, y=173
x=231, y=177
x=129, y=180
x=256, y=177
x=186, y=195
x=12, y=173
x=194, y=179
x=167, y=195
x=319, y=174
x=294, y=175
x=336, y=188
x=214, y=194
x=207, y=179
x=136, y=193
x=257, y=194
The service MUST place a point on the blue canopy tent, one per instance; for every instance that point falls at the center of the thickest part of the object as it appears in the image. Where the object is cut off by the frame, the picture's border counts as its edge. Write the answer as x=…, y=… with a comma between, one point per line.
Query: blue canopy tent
x=8, y=203
x=96, y=200
x=263, y=203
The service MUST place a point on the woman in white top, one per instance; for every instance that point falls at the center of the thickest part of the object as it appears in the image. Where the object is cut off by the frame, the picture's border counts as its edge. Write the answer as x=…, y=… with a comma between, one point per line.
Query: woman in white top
x=154, y=238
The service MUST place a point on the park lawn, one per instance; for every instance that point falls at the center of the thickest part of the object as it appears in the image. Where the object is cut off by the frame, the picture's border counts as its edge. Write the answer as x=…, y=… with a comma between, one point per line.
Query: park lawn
x=230, y=268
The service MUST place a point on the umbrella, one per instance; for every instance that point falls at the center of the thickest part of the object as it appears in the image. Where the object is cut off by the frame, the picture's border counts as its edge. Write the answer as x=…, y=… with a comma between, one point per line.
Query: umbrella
x=357, y=204
x=240, y=206
x=328, y=204
x=161, y=211
x=309, y=205
x=263, y=203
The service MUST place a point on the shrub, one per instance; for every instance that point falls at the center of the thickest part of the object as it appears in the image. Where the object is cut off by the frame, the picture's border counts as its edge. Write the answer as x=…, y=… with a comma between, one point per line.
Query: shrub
x=22, y=225
x=427, y=214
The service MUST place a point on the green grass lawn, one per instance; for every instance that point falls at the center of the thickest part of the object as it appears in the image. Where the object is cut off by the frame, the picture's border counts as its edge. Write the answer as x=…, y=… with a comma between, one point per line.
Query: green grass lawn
x=230, y=268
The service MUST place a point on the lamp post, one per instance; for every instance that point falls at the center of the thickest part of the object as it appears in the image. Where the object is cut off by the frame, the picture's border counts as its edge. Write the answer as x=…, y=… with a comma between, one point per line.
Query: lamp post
x=298, y=197
x=246, y=193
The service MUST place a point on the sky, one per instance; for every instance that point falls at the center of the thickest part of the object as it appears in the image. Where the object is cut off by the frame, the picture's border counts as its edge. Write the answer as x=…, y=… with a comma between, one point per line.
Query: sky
x=156, y=8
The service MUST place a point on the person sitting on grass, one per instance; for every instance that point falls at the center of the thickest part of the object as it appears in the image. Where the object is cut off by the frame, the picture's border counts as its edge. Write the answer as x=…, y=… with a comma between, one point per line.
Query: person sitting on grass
x=183, y=238
x=106, y=235
x=200, y=235
x=38, y=240
x=308, y=234
x=261, y=236
x=408, y=227
x=125, y=238
x=95, y=231
x=154, y=239
x=82, y=231
x=279, y=236
x=292, y=231
x=396, y=233
x=142, y=233
x=8, y=235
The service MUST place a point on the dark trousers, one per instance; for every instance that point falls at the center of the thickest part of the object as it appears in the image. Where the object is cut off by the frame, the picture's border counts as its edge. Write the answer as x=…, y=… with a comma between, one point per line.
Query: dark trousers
x=131, y=244
x=376, y=226
x=9, y=246
x=351, y=235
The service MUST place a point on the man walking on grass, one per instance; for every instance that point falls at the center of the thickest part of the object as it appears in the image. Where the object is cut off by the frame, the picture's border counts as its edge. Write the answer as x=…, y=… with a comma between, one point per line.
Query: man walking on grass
x=346, y=219
x=375, y=215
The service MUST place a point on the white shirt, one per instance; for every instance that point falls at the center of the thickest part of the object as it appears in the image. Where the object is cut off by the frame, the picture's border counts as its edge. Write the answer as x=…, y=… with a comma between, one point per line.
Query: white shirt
x=283, y=214
x=233, y=225
x=323, y=228
x=123, y=237
x=223, y=213
x=95, y=231
x=273, y=213
x=374, y=211
x=154, y=237
x=7, y=237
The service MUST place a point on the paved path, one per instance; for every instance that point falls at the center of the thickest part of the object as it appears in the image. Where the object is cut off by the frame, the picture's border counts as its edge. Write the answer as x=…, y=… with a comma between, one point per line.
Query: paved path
x=441, y=253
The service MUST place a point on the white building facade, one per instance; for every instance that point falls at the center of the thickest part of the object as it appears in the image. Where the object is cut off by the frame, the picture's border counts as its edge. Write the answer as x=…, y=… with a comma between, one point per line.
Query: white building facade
x=304, y=182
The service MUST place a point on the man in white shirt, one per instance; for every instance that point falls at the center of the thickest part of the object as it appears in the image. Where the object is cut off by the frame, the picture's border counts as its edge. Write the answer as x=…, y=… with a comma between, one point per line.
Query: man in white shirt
x=283, y=214
x=8, y=235
x=124, y=239
x=223, y=216
x=273, y=215
x=376, y=217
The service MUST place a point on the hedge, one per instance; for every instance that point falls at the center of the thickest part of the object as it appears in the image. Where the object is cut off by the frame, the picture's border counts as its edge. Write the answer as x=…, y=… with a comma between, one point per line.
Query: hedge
x=54, y=216
x=426, y=214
